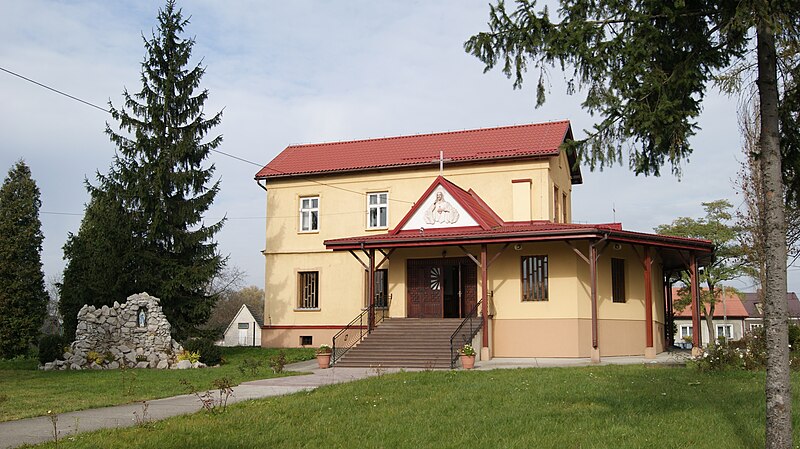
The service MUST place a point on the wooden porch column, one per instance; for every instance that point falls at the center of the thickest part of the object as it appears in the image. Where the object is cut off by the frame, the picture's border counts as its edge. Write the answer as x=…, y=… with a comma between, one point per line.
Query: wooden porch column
x=649, y=350
x=593, y=276
x=695, y=291
x=485, y=353
x=371, y=290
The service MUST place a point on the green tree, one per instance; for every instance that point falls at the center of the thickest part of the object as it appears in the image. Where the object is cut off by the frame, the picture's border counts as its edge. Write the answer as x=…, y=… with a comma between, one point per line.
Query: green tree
x=729, y=263
x=158, y=189
x=23, y=299
x=100, y=260
x=645, y=67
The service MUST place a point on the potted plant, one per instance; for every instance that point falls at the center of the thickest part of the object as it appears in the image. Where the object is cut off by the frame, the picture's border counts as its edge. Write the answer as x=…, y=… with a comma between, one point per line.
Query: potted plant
x=324, y=356
x=467, y=355
x=687, y=342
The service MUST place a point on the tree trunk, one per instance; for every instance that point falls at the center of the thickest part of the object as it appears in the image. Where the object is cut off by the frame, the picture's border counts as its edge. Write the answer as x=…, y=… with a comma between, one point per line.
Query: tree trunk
x=778, y=388
x=709, y=315
x=712, y=336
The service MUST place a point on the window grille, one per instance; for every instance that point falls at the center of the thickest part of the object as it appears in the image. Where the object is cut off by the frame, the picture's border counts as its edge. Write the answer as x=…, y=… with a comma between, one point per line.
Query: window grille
x=309, y=290
x=534, y=278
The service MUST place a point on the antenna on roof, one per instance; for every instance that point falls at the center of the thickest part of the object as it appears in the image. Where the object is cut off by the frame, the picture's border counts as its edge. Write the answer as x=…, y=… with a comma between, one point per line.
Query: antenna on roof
x=614, y=213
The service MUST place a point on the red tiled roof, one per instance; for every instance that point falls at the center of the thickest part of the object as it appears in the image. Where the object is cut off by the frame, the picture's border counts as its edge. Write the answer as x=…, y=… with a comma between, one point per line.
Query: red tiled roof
x=730, y=306
x=533, y=140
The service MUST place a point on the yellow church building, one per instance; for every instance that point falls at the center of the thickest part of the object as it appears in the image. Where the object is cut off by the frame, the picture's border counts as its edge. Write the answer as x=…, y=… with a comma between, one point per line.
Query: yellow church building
x=399, y=250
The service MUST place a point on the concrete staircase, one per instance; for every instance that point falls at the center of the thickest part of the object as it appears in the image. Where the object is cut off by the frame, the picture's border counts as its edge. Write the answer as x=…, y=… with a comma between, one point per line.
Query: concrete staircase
x=405, y=343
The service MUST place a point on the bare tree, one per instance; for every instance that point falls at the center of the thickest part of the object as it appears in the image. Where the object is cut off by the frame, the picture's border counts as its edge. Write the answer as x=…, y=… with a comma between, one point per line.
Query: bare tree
x=750, y=215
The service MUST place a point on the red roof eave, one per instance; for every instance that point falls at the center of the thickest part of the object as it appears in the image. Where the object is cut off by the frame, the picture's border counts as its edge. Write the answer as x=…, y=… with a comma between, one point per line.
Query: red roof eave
x=510, y=236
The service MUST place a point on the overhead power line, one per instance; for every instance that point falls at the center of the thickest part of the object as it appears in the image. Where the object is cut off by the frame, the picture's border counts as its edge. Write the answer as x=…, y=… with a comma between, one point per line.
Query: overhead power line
x=55, y=90
x=72, y=97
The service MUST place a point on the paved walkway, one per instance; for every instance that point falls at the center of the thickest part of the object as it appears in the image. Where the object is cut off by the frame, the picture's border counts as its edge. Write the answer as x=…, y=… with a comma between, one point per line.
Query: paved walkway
x=40, y=429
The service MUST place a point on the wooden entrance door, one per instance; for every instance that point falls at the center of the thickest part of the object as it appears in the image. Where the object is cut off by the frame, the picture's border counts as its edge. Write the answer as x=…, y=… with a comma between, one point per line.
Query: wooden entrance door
x=441, y=288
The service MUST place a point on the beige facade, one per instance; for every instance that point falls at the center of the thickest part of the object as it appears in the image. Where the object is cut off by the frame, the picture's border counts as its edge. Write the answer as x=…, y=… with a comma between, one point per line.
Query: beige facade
x=534, y=191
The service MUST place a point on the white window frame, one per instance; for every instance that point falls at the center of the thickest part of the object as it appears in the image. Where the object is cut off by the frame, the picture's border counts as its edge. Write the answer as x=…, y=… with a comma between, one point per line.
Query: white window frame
x=756, y=325
x=378, y=206
x=729, y=327
x=685, y=330
x=310, y=211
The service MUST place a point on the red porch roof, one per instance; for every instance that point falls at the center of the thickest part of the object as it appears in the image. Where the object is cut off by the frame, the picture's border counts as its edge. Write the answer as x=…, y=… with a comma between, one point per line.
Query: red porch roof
x=534, y=231
x=507, y=142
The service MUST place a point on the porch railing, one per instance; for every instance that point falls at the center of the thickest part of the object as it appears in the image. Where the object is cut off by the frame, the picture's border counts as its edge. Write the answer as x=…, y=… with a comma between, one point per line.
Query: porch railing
x=355, y=331
x=465, y=332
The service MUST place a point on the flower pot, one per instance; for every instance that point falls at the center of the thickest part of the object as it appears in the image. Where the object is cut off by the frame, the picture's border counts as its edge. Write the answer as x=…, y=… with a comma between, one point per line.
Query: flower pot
x=467, y=361
x=324, y=360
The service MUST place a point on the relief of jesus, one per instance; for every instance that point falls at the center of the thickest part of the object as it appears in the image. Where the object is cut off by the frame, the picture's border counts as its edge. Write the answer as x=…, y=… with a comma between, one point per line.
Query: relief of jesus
x=441, y=211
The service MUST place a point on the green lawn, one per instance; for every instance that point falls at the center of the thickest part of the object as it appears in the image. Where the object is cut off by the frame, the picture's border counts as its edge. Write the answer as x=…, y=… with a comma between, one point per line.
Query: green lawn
x=25, y=391
x=597, y=407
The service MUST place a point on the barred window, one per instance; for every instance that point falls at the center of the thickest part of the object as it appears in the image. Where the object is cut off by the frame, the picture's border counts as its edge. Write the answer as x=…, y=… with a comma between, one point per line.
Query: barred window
x=534, y=278
x=618, y=280
x=308, y=289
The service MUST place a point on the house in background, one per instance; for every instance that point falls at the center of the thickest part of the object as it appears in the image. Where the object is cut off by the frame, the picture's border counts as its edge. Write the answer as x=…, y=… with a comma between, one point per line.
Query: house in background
x=729, y=320
x=245, y=328
x=755, y=310
x=404, y=248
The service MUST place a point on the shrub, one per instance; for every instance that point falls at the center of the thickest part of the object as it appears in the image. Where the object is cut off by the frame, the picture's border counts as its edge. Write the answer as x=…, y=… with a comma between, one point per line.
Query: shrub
x=250, y=365
x=749, y=353
x=190, y=356
x=51, y=347
x=794, y=336
x=210, y=354
x=278, y=362
x=94, y=356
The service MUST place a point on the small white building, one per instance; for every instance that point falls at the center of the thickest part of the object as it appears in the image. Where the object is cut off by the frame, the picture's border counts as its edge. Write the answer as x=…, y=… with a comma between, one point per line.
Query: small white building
x=729, y=318
x=244, y=329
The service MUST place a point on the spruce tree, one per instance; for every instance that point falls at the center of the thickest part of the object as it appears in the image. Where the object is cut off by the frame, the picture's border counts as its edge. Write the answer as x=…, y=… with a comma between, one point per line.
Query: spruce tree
x=157, y=190
x=23, y=299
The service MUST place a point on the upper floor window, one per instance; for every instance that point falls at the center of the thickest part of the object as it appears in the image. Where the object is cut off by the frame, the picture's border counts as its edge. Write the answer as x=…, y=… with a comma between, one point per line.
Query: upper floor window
x=377, y=210
x=564, y=206
x=309, y=214
x=556, y=201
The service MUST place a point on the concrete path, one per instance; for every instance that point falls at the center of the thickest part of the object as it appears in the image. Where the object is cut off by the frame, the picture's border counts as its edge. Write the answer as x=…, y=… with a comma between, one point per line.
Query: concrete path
x=39, y=430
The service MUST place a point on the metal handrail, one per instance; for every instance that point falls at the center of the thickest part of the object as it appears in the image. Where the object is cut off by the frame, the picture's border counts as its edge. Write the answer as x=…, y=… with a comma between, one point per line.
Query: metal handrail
x=355, y=331
x=473, y=329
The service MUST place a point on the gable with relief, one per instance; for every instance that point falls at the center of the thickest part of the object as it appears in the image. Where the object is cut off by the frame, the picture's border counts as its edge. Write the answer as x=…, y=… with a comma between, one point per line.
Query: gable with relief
x=439, y=210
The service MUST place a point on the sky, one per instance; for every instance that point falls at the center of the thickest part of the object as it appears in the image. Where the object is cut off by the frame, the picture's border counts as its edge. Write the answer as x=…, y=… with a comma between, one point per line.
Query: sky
x=301, y=72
